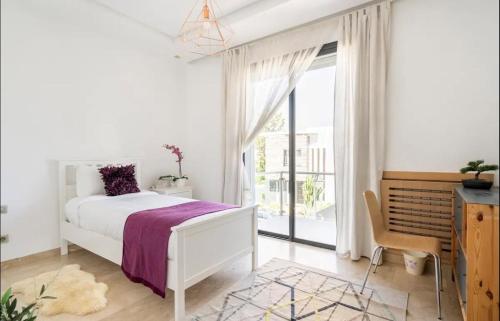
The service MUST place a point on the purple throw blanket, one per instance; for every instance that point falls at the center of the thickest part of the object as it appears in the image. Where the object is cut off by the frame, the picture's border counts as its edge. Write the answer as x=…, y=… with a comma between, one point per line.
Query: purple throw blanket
x=146, y=236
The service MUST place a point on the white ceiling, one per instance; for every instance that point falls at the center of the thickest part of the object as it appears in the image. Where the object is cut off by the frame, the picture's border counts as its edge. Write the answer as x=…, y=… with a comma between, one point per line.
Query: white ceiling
x=249, y=19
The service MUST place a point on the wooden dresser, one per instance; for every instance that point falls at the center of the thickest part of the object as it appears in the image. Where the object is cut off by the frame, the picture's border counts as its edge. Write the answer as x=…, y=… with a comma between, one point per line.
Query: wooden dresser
x=474, y=252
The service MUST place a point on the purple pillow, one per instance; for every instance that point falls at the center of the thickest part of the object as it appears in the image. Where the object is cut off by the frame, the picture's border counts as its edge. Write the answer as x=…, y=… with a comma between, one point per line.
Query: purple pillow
x=119, y=180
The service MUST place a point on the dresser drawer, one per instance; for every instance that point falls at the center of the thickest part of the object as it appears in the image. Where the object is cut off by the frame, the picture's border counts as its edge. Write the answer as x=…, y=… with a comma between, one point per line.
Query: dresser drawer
x=461, y=275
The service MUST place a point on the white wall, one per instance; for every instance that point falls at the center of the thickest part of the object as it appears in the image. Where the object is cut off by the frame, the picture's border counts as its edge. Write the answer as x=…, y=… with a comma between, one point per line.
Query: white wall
x=204, y=156
x=443, y=85
x=78, y=82
x=443, y=91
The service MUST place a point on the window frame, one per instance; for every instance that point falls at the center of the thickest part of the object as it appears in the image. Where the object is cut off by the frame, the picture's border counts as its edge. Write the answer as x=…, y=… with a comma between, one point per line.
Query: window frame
x=327, y=49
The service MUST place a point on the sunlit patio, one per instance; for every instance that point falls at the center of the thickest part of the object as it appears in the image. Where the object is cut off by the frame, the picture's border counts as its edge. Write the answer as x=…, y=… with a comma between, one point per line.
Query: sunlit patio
x=317, y=231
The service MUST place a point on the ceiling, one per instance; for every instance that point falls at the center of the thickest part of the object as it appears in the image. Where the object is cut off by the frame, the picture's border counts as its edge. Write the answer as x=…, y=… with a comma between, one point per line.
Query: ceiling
x=249, y=19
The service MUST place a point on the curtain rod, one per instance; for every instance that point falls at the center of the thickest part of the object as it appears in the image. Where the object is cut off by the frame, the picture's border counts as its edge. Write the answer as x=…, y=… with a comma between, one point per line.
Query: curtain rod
x=334, y=15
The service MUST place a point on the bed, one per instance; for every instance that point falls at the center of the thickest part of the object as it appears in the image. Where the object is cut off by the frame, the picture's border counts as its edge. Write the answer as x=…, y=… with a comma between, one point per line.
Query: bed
x=197, y=249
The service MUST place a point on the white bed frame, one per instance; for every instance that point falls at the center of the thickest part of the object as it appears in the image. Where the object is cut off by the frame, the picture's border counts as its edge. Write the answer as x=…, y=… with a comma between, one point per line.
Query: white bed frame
x=201, y=249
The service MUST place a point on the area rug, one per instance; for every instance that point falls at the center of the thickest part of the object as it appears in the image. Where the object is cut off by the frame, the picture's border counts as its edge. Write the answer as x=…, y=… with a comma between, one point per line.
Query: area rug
x=283, y=290
x=75, y=291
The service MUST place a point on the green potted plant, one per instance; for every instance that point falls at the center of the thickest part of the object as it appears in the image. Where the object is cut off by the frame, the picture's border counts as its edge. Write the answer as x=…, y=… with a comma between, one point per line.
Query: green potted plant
x=10, y=311
x=479, y=167
x=311, y=193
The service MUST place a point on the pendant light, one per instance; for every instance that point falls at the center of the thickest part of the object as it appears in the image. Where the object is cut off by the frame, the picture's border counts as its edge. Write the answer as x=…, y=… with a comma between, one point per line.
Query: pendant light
x=202, y=33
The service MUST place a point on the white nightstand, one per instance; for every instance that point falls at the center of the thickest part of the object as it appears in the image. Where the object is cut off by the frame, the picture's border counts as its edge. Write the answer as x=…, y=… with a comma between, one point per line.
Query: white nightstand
x=184, y=191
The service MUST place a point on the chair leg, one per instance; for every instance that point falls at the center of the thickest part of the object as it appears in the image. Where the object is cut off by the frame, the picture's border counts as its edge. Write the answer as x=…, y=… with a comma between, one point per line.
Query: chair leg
x=437, y=266
x=440, y=276
x=374, y=254
x=378, y=260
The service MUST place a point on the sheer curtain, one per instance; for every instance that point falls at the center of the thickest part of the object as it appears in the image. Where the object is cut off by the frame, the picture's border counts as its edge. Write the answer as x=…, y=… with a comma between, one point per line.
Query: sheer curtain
x=253, y=95
x=258, y=78
x=359, y=122
x=236, y=78
x=272, y=80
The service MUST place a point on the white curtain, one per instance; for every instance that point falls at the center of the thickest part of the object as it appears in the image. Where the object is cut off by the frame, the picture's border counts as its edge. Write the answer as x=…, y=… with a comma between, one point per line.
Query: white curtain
x=362, y=54
x=253, y=95
x=235, y=104
x=254, y=92
x=272, y=80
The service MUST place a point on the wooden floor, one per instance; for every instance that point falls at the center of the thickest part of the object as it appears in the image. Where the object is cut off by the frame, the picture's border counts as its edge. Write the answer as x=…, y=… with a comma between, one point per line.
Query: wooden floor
x=130, y=301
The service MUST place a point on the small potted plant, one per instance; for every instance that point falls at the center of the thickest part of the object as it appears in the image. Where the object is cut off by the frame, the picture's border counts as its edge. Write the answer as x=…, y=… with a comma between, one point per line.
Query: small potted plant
x=181, y=179
x=165, y=181
x=478, y=167
x=10, y=311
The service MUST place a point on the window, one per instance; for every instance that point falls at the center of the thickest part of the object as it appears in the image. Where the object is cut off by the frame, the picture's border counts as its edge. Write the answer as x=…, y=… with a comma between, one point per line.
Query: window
x=274, y=185
x=300, y=193
x=297, y=185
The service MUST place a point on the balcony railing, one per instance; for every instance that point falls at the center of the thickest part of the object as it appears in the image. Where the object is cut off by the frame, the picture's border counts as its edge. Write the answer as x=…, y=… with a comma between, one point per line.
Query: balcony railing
x=319, y=178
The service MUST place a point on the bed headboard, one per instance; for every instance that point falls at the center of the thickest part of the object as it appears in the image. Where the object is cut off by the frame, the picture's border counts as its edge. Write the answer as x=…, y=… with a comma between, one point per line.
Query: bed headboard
x=67, y=176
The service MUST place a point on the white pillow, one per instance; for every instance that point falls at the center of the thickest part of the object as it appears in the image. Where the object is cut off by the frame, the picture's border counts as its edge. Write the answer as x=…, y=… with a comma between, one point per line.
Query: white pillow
x=88, y=181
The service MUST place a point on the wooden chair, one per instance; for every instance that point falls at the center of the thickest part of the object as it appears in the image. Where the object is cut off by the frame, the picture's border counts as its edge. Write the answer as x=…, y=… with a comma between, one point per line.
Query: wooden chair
x=400, y=241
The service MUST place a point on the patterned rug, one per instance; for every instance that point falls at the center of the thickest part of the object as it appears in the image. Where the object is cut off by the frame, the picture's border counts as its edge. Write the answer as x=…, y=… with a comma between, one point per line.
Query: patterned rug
x=283, y=290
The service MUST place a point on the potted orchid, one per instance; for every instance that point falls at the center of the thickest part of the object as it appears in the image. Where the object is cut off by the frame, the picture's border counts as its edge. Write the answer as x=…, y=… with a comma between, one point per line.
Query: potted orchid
x=181, y=179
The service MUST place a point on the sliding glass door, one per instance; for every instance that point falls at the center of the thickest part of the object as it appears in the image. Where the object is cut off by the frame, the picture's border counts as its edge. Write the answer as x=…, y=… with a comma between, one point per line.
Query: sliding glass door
x=272, y=169
x=314, y=181
x=295, y=191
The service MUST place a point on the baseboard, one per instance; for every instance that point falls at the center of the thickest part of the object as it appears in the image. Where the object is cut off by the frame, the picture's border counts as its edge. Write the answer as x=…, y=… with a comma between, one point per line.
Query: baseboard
x=7, y=264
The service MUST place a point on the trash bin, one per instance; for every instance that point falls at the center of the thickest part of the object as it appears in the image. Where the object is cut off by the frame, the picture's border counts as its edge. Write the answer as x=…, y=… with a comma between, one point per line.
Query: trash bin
x=415, y=262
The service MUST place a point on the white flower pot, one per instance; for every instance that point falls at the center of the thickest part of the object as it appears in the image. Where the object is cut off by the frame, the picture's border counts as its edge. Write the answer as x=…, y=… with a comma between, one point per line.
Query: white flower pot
x=414, y=262
x=181, y=182
x=162, y=183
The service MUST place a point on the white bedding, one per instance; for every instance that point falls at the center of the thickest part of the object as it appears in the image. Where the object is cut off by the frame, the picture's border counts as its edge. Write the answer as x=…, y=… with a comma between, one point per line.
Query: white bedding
x=106, y=215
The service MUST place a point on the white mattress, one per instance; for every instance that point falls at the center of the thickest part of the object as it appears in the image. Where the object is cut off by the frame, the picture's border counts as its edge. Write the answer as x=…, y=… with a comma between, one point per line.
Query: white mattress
x=106, y=215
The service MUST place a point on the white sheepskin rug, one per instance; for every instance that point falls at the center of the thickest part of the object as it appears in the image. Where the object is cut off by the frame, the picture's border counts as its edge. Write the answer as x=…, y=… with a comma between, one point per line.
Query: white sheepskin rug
x=76, y=291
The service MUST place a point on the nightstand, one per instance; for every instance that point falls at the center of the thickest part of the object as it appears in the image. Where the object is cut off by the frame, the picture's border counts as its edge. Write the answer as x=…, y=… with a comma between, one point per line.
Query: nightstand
x=184, y=191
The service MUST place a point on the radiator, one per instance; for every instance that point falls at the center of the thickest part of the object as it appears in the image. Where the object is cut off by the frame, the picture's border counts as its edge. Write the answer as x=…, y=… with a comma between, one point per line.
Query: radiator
x=421, y=203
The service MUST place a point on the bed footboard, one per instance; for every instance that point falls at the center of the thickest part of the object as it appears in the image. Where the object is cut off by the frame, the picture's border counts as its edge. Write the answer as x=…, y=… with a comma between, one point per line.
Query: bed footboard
x=205, y=248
